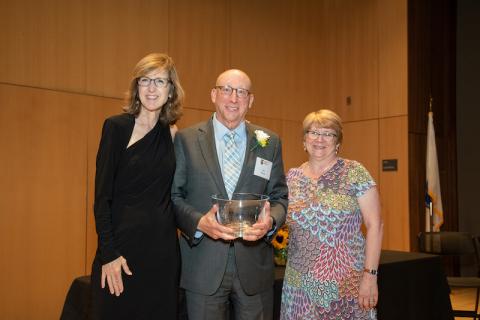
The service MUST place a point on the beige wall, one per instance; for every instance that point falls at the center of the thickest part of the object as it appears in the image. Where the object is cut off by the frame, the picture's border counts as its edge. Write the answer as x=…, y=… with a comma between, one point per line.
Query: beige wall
x=66, y=64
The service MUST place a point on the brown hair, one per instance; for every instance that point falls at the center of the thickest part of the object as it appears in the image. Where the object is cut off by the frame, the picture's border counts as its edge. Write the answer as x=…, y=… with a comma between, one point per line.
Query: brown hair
x=324, y=118
x=172, y=110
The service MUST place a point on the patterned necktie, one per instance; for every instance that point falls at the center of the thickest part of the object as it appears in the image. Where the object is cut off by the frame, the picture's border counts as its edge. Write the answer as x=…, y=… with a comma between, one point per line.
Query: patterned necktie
x=231, y=163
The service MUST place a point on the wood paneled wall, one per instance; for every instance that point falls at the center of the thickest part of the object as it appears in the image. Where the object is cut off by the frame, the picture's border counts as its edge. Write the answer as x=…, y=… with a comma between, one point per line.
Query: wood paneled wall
x=66, y=65
x=43, y=193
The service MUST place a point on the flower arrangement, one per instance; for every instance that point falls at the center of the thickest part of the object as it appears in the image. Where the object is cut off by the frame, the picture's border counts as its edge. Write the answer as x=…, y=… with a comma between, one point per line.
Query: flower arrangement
x=280, y=246
x=262, y=139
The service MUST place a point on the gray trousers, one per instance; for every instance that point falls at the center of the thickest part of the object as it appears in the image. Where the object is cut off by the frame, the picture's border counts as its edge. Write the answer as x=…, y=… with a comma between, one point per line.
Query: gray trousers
x=230, y=301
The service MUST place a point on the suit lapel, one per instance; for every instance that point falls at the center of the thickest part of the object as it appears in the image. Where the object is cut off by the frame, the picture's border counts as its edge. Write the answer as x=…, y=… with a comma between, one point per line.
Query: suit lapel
x=250, y=158
x=206, y=140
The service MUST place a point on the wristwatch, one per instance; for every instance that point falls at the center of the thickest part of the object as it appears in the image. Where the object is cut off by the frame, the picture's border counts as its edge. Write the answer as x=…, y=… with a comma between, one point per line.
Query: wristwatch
x=373, y=272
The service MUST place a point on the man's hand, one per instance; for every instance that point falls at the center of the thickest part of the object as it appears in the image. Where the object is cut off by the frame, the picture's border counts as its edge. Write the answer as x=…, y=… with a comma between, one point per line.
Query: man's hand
x=209, y=225
x=261, y=227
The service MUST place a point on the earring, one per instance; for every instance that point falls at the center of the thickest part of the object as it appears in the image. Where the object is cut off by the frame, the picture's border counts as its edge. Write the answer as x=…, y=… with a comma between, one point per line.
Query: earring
x=336, y=149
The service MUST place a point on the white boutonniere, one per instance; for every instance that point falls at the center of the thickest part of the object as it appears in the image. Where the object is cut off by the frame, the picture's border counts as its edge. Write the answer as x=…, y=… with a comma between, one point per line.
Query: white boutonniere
x=262, y=138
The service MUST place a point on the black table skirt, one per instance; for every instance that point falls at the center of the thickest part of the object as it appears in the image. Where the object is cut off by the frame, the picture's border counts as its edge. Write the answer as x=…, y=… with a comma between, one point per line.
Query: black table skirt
x=411, y=286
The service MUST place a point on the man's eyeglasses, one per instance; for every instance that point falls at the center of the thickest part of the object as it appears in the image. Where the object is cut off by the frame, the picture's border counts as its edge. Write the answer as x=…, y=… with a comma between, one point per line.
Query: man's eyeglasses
x=159, y=82
x=325, y=135
x=227, y=91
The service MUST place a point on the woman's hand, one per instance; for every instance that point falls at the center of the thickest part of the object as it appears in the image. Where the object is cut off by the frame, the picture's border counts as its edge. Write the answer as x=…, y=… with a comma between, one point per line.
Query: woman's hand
x=368, y=292
x=112, y=272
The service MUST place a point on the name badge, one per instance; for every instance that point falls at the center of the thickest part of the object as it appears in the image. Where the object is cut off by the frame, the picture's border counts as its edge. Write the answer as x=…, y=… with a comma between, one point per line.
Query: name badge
x=263, y=168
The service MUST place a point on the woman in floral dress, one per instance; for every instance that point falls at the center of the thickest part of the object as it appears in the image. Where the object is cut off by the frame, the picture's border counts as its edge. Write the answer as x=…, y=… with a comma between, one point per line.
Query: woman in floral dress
x=331, y=271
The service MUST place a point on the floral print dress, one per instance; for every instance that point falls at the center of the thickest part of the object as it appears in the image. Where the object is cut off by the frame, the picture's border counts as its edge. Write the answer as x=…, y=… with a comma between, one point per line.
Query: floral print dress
x=326, y=246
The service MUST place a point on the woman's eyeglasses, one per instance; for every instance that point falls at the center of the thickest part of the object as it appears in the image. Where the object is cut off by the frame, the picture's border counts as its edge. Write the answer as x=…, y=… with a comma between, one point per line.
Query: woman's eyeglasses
x=159, y=82
x=317, y=134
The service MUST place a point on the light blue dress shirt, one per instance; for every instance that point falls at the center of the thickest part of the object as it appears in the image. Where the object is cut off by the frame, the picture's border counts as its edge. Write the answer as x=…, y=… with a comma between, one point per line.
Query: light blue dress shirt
x=240, y=139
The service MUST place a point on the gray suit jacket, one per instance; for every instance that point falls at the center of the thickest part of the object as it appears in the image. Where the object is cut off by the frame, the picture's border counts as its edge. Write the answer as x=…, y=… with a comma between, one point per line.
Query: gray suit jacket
x=197, y=177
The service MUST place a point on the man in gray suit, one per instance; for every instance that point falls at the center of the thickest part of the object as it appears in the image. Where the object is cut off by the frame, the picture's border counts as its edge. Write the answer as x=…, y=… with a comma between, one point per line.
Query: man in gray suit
x=219, y=271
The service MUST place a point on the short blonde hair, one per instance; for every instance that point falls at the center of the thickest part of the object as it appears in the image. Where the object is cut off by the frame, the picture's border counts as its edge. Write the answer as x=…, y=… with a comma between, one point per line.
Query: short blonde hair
x=324, y=118
x=172, y=110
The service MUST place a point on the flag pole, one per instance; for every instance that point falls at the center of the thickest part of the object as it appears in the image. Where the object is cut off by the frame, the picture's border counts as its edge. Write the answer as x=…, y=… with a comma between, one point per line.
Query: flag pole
x=431, y=216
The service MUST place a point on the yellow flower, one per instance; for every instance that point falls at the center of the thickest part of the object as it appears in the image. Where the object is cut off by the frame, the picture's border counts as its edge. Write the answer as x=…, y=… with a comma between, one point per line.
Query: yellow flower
x=280, y=240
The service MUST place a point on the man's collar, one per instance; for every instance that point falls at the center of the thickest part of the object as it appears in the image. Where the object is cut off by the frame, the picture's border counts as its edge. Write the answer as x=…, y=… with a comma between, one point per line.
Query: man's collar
x=220, y=129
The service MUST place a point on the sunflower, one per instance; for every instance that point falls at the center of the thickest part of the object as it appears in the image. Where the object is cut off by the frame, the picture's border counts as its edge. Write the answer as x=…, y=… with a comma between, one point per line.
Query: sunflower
x=280, y=240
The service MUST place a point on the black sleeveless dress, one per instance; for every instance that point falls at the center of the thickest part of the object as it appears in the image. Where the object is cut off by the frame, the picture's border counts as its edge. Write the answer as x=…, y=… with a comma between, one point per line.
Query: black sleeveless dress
x=134, y=219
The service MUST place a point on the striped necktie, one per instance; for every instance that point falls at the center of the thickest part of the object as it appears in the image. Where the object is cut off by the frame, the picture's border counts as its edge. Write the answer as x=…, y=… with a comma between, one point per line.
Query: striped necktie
x=231, y=163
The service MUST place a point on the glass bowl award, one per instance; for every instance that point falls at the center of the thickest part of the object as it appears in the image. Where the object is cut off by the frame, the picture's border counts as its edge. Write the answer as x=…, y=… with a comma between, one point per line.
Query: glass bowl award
x=240, y=212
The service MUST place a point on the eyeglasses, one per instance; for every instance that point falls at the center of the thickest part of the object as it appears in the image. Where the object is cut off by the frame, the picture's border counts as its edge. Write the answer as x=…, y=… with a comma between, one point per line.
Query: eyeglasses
x=227, y=91
x=159, y=82
x=325, y=135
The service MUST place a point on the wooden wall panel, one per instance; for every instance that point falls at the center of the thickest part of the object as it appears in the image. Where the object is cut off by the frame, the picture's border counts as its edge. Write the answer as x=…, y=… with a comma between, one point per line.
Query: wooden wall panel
x=43, y=44
x=272, y=124
x=292, y=139
x=288, y=48
x=357, y=59
x=200, y=49
x=392, y=56
x=193, y=116
x=417, y=147
x=361, y=143
x=118, y=33
x=393, y=135
x=43, y=187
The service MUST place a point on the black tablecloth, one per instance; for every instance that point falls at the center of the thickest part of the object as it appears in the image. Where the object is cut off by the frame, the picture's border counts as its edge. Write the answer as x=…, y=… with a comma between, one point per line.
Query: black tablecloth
x=77, y=302
x=411, y=286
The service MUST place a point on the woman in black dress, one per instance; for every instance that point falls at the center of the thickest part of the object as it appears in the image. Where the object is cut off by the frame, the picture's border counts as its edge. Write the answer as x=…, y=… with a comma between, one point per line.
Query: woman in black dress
x=135, y=271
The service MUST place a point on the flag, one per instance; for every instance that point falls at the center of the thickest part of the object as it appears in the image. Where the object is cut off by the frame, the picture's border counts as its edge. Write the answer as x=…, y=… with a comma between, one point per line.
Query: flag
x=433, y=197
